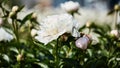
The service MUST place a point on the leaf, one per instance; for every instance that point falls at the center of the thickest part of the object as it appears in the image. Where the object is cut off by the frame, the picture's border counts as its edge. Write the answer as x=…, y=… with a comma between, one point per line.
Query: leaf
x=42, y=65
x=20, y=8
x=30, y=55
x=89, y=52
x=14, y=50
x=3, y=1
x=6, y=12
x=5, y=57
x=83, y=27
x=110, y=12
x=42, y=46
x=26, y=18
x=70, y=63
x=19, y=20
x=100, y=63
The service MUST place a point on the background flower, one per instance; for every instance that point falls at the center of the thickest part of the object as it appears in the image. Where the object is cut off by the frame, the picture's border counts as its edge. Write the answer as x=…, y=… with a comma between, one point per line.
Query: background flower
x=70, y=6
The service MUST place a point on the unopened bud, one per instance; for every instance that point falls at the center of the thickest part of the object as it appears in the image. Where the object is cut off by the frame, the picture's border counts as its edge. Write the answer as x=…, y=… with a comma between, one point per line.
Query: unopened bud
x=19, y=57
x=117, y=7
x=33, y=32
x=88, y=24
x=34, y=16
x=64, y=37
x=15, y=8
x=115, y=33
x=83, y=42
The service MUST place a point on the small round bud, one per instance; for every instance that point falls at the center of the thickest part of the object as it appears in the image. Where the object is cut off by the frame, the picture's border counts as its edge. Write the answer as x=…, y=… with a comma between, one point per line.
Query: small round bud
x=83, y=42
x=34, y=16
x=33, y=32
x=88, y=24
x=115, y=33
x=117, y=7
x=15, y=8
x=19, y=57
x=64, y=37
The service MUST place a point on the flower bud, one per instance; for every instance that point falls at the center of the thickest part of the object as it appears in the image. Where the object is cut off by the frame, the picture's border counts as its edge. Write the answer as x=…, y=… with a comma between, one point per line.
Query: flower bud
x=116, y=7
x=114, y=33
x=70, y=6
x=33, y=32
x=83, y=42
x=34, y=16
x=11, y=14
x=15, y=8
x=88, y=24
x=64, y=37
x=19, y=57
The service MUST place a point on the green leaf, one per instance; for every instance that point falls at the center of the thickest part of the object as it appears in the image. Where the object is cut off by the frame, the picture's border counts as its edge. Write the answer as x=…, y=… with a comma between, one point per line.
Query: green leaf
x=5, y=57
x=14, y=50
x=110, y=12
x=20, y=8
x=42, y=65
x=71, y=63
x=26, y=18
x=89, y=52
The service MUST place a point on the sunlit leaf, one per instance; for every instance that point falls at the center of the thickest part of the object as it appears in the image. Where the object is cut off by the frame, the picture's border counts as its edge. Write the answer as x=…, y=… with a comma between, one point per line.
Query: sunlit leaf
x=5, y=57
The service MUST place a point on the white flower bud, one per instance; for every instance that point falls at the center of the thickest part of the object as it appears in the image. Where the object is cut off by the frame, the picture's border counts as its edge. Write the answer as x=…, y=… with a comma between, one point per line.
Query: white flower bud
x=33, y=32
x=70, y=6
x=19, y=57
x=115, y=33
x=15, y=8
x=83, y=42
x=34, y=15
x=88, y=24
x=117, y=7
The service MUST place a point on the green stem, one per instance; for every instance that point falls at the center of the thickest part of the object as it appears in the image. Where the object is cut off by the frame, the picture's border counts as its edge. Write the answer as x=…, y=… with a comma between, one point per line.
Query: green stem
x=56, y=54
x=115, y=20
x=15, y=29
x=89, y=30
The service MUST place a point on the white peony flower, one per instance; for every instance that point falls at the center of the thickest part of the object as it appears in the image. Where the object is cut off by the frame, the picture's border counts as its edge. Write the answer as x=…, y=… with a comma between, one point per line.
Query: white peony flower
x=54, y=26
x=5, y=36
x=70, y=6
x=83, y=42
x=115, y=33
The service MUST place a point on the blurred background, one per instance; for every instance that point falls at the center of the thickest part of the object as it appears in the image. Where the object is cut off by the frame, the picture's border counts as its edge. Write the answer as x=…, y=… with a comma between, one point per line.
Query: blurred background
x=90, y=10
x=93, y=4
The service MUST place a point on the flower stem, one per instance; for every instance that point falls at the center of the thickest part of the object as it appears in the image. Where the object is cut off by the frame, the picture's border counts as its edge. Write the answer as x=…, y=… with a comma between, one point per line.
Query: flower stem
x=15, y=29
x=56, y=54
x=116, y=20
x=89, y=30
